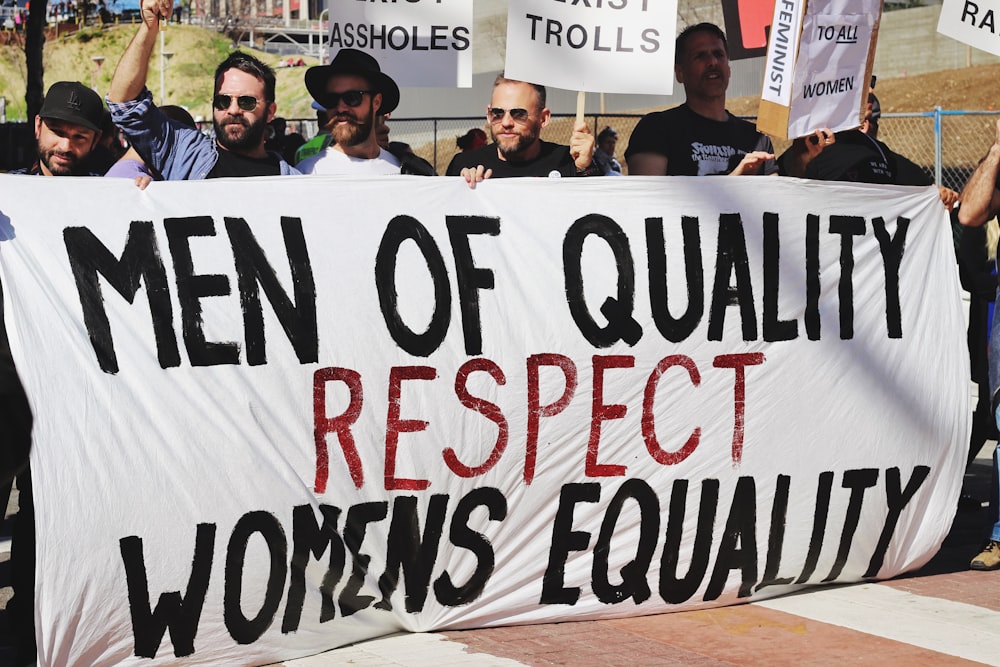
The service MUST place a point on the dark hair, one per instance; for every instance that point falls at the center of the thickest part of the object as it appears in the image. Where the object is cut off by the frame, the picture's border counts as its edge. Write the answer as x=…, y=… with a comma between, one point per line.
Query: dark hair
x=466, y=140
x=244, y=62
x=607, y=132
x=539, y=88
x=681, y=43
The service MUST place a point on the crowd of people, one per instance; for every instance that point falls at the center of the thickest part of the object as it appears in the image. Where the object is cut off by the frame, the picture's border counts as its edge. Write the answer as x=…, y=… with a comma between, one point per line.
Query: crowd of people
x=353, y=97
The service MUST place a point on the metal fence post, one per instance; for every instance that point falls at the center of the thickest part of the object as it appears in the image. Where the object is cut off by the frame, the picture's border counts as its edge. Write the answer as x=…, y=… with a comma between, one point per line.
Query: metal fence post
x=937, y=145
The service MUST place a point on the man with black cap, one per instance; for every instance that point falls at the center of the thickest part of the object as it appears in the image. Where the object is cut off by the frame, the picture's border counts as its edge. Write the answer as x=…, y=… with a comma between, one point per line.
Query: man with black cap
x=67, y=130
x=242, y=106
x=852, y=155
x=355, y=92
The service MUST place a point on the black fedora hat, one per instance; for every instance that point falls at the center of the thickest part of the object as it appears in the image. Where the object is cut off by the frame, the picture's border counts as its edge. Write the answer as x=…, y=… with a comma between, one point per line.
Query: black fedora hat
x=359, y=63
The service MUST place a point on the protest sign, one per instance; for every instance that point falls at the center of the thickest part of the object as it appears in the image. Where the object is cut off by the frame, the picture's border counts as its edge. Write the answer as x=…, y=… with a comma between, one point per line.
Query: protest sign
x=819, y=60
x=972, y=23
x=276, y=416
x=622, y=46
x=418, y=42
x=748, y=23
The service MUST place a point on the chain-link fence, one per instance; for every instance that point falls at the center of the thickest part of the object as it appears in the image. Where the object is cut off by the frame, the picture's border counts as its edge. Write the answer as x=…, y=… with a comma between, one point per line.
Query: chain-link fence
x=947, y=144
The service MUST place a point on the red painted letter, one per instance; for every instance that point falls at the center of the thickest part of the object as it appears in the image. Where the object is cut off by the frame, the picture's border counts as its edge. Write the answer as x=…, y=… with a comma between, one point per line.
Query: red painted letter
x=739, y=362
x=535, y=411
x=394, y=426
x=489, y=410
x=341, y=425
x=649, y=420
x=601, y=413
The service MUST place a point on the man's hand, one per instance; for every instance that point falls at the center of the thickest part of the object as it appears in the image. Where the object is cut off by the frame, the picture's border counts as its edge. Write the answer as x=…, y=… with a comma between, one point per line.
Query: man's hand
x=155, y=10
x=130, y=74
x=948, y=197
x=473, y=175
x=804, y=149
x=752, y=163
x=581, y=145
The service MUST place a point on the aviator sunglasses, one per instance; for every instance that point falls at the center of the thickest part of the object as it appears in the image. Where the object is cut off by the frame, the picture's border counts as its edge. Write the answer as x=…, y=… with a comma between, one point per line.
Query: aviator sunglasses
x=245, y=102
x=496, y=113
x=352, y=98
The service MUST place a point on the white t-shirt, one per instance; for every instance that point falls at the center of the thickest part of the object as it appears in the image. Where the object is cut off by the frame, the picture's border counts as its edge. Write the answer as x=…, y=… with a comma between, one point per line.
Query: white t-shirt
x=331, y=162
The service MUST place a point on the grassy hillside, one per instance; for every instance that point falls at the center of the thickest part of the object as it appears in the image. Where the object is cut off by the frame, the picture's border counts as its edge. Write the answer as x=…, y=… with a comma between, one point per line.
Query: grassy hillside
x=188, y=74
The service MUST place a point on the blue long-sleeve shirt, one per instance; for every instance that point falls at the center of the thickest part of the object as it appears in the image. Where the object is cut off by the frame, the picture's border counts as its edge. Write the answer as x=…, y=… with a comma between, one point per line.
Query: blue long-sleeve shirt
x=174, y=150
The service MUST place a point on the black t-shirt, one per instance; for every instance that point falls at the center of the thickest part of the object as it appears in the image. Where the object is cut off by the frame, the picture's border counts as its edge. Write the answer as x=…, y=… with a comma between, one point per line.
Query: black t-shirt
x=552, y=157
x=232, y=164
x=857, y=158
x=695, y=145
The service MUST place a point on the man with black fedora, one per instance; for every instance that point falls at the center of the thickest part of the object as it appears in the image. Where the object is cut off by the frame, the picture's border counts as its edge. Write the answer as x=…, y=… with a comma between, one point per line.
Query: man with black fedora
x=355, y=92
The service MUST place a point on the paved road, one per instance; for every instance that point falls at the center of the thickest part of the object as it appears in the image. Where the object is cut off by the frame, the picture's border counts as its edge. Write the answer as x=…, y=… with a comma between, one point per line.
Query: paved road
x=942, y=615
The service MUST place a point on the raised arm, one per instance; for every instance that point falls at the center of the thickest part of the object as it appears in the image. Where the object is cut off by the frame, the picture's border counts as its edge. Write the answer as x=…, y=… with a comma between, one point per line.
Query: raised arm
x=980, y=197
x=130, y=75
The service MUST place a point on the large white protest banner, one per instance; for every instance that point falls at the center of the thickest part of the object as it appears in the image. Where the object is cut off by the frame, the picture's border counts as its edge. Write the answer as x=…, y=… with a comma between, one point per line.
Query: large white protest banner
x=624, y=46
x=418, y=42
x=971, y=22
x=819, y=59
x=276, y=416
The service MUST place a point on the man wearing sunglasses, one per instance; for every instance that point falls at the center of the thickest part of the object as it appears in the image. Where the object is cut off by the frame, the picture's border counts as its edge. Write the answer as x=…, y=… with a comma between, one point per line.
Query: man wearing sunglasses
x=242, y=106
x=699, y=138
x=355, y=93
x=517, y=114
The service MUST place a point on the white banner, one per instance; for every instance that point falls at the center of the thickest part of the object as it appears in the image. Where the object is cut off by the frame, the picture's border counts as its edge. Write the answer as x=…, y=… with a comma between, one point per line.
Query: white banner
x=624, y=46
x=972, y=23
x=277, y=416
x=830, y=84
x=417, y=42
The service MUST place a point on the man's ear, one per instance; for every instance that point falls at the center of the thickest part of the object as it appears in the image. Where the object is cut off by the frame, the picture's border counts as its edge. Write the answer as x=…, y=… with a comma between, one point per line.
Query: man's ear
x=678, y=74
x=272, y=109
x=38, y=127
x=546, y=116
x=376, y=103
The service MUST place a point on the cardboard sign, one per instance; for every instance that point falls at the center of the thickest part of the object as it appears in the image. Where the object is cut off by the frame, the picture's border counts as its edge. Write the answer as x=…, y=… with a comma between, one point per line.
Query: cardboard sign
x=972, y=23
x=417, y=43
x=818, y=66
x=277, y=416
x=625, y=46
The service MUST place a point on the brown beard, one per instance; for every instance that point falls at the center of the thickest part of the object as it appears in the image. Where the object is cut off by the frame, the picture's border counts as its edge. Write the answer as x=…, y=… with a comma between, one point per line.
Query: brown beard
x=356, y=131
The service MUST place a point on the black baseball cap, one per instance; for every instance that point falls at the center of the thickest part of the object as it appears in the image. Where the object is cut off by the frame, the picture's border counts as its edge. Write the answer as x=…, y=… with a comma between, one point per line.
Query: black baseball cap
x=73, y=102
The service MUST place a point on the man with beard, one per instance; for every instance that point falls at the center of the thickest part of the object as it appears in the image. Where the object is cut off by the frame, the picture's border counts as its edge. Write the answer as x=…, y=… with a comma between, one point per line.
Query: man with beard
x=242, y=106
x=67, y=130
x=355, y=93
x=699, y=138
x=517, y=114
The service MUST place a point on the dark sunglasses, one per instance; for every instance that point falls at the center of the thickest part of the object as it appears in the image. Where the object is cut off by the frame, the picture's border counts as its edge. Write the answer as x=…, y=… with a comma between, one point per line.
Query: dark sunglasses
x=496, y=113
x=245, y=102
x=352, y=98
